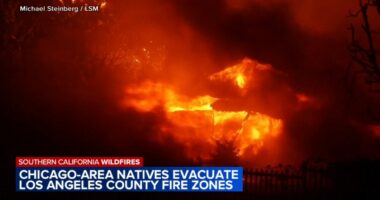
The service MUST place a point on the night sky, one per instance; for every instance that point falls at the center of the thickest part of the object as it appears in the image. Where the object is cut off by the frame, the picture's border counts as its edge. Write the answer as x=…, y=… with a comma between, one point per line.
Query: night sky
x=63, y=77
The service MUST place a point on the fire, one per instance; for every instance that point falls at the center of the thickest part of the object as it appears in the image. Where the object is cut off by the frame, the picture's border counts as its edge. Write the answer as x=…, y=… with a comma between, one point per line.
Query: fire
x=242, y=74
x=103, y=5
x=194, y=123
x=150, y=95
x=240, y=81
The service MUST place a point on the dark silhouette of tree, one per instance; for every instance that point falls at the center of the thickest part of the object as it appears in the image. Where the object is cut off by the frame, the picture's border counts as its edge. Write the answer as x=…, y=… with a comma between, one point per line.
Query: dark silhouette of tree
x=364, y=53
x=225, y=154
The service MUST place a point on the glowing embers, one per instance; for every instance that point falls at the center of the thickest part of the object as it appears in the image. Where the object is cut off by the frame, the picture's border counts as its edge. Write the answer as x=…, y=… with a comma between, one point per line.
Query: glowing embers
x=103, y=5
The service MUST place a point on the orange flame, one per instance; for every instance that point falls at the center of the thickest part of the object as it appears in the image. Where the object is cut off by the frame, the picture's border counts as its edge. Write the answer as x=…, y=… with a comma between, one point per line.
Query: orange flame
x=150, y=95
x=103, y=5
x=194, y=123
x=241, y=74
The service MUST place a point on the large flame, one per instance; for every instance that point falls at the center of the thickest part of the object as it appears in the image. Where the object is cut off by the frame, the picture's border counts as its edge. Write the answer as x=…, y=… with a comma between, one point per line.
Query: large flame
x=193, y=122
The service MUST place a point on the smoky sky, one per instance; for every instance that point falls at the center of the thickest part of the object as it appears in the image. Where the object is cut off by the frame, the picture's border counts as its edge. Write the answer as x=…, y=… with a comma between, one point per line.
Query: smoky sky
x=57, y=101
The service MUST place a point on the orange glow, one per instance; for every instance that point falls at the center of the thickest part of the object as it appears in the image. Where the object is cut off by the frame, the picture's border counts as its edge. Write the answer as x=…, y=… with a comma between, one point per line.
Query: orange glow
x=150, y=95
x=194, y=123
x=242, y=74
x=103, y=5
x=240, y=81
x=302, y=98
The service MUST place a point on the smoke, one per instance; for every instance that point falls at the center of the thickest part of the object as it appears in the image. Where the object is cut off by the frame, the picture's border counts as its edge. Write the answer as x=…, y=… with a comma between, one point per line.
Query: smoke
x=308, y=42
x=64, y=97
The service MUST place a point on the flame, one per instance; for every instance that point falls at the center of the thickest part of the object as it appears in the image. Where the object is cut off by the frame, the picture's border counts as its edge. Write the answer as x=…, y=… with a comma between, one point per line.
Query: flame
x=150, y=95
x=242, y=74
x=103, y=5
x=240, y=80
x=194, y=123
